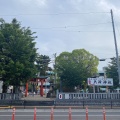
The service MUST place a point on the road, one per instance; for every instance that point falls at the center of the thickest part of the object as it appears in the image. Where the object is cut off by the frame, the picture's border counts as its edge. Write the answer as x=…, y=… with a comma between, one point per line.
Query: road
x=60, y=114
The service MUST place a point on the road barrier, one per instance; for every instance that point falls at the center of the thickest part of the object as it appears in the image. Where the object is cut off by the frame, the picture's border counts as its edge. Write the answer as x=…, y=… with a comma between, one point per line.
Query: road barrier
x=86, y=113
x=35, y=113
x=104, y=114
x=69, y=114
x=52, y=114
x=13, y=114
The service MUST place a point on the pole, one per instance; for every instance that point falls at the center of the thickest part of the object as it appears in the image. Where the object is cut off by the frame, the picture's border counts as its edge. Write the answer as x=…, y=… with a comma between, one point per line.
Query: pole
x=52, y=114
x=86, y=113
x=60, y=85
x=117, y=57
x=55, y=74
x=26, y=92
x=55, y=69
x=34, y=113
x=41, y=87
x=13, y=114
x=104, y=114
x=70, y=114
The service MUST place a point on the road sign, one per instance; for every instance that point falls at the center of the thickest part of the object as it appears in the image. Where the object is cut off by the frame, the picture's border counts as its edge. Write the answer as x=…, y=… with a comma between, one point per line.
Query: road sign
x=100, y=81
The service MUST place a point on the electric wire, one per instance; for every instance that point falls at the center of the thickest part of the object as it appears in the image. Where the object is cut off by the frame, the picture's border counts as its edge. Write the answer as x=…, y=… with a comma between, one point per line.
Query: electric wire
x=34, y=14
x=69, y=26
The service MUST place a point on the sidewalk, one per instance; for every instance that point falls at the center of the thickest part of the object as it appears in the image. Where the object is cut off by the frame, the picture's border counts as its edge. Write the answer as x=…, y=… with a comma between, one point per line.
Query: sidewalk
x=37, y=98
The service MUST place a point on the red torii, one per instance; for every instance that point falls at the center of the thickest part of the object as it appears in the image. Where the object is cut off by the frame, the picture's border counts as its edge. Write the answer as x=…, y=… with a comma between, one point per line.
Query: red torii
x=36, y=80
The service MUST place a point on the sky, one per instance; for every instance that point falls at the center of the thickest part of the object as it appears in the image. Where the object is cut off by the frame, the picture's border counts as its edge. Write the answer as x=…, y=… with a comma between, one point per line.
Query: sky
x=65, y=25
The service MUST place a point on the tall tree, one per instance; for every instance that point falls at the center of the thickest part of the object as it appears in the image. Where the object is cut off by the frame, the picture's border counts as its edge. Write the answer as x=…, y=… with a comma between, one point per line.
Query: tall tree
x=42, y=62
x=17, y=53
x=111, y=72
x=74, y=68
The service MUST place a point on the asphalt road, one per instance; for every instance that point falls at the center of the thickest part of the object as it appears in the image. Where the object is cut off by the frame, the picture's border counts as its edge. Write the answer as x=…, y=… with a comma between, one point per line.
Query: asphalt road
x=60, y=114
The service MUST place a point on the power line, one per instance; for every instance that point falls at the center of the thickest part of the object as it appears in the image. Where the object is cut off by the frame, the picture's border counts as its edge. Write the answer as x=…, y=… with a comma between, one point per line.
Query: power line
x=81, y=31
x=76, y=13
x=71, y=26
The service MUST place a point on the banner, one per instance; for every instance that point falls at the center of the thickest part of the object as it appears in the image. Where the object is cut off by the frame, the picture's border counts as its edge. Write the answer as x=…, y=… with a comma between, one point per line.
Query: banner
x=100, y=81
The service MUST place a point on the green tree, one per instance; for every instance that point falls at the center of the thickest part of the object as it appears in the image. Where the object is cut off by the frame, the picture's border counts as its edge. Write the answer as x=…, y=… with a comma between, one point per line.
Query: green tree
x=111, y=72
x=74, y=68
x=42, y=62
x=17, y=53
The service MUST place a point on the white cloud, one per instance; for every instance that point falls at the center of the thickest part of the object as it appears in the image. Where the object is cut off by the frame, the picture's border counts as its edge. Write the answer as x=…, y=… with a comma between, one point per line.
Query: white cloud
x=56, y=40
x=37, y=2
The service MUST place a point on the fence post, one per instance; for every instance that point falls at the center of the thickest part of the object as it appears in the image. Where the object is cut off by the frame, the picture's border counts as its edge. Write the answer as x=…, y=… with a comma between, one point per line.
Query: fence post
x=83, y=104
x=24, y=104
x=10, y=103
x=111, y=104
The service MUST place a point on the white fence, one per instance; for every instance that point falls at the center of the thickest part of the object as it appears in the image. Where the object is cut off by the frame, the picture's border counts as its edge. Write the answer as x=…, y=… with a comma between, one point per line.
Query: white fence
x=88, y=96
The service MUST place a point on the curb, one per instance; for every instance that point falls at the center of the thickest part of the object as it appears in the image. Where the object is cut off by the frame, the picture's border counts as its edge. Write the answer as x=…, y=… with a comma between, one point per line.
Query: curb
x=6, y=107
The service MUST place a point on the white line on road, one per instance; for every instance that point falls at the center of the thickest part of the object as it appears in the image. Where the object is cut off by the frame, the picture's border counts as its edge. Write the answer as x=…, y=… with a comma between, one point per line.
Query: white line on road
x=58, y=115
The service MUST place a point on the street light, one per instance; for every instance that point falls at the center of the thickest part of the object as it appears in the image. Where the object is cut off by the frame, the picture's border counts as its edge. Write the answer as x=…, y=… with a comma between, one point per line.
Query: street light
x=103, y=59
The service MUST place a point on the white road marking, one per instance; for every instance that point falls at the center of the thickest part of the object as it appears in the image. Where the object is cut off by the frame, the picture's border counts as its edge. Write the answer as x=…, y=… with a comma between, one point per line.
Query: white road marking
x=58, y=115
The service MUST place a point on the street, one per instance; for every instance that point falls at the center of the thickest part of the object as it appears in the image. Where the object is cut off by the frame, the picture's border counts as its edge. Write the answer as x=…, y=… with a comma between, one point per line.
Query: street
x=60, y=114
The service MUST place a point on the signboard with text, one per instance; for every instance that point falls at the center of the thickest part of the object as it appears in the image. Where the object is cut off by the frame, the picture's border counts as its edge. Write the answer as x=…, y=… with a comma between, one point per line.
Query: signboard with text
x=100, y=81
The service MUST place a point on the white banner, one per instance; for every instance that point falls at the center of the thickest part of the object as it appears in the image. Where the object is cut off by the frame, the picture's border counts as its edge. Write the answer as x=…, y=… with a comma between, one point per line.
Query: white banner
x=100, y=81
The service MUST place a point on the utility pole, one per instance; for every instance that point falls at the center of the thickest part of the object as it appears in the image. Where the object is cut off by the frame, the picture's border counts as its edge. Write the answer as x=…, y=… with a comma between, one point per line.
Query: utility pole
x=117, y=57
x=55, y=68
x=55, y=71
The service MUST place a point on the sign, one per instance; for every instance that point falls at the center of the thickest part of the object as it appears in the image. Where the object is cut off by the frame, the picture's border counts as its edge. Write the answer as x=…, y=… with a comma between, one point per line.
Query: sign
x=100, y=81
x=60, y=96
x=67, y=96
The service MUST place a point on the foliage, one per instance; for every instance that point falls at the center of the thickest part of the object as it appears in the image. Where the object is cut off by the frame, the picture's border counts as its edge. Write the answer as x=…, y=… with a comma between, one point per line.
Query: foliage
x=74, y=68
x=17, y=53
x=111, y=72
x=42, y=62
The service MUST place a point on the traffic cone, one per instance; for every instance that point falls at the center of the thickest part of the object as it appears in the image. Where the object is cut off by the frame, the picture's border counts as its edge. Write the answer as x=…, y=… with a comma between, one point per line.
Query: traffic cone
x=86, y=113
x=104, y=114
x=51, y=117
x=34, y=113
x=13, y=114
x=70, y=114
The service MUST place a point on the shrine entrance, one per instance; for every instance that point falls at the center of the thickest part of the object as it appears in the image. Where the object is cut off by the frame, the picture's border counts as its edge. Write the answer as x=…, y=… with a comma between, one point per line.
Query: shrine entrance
x=39, y=85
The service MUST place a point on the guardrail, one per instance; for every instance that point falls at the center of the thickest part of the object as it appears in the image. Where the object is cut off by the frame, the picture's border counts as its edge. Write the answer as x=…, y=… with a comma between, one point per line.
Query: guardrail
x=62, y=103
x=88, y=102
x=24, y=103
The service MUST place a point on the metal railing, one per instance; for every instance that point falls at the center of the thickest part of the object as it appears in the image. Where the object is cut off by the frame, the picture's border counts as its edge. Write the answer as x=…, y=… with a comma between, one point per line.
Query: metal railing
x=88, y=96
x=10, y=96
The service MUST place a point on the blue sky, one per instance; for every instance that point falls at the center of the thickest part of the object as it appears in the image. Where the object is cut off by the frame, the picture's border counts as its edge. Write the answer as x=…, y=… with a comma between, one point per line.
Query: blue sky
x=65, y=25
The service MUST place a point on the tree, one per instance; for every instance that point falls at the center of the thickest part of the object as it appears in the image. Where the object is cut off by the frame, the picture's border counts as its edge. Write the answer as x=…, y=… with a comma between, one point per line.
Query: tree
x=111, y=72
x=17, y=53
x=74, y=68
x=42, y=62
